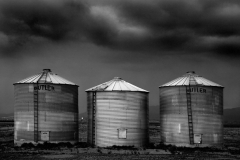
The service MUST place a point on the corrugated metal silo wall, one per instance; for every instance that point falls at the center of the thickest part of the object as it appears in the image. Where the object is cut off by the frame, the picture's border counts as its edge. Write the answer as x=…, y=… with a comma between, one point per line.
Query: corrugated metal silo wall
x=57, y=112
x=207, y=115
x=90, y=116
x=119, y=110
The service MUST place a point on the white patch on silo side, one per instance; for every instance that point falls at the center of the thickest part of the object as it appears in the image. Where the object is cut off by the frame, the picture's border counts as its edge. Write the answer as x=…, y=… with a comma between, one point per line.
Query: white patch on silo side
x=179, y=128
x=21, y=125
x=16, y=125
x=215, y=138
x=27, y=125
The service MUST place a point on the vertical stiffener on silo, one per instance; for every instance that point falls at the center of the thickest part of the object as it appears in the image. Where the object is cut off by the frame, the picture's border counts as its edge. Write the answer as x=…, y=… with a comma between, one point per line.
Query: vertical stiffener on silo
x=45, y=109
x=93, y=117
x=191, y=111
x=35, y=99
x=117, y=114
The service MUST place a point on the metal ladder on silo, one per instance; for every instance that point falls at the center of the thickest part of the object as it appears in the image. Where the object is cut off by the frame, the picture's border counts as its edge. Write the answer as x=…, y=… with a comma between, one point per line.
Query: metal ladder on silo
x=35, y=99
x=189, y=112
x=93, y=118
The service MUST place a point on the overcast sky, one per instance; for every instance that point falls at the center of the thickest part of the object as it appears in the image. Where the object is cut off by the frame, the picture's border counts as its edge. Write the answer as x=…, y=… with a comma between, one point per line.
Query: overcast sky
x=145, y=42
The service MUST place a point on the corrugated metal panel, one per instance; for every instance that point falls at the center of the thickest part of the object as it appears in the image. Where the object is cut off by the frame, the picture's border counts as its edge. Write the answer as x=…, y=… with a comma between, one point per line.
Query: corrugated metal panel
x=116, y=84
x=90, y=113
x=111, y=86
x=65, y=136
x=46, y=77
x=116, y=110
x=30, y=78
x=117, y=87
x=123, y=87
x=133, y=88
x=193, y=78
x=57, y=112
x=207, y=114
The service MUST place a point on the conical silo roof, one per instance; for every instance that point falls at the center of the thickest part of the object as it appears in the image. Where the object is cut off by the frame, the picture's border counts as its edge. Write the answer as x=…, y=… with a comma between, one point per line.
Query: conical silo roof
x=116, y=84
x=190, y=78
x=46, y=76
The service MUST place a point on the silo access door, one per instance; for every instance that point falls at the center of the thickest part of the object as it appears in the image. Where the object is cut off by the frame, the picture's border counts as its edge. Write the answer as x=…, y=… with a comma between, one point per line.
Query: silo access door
x=122, y=133
x=45, y=136
x=197, y=138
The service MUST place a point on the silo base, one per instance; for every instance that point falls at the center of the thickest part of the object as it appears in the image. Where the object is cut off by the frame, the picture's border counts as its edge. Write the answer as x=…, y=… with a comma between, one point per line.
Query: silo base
x=19, y=143
x=194, y=145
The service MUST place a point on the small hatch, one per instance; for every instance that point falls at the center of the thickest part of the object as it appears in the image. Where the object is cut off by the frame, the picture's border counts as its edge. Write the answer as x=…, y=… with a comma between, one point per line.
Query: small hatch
x=198, y=138
x=45, y=136
x=122, y=133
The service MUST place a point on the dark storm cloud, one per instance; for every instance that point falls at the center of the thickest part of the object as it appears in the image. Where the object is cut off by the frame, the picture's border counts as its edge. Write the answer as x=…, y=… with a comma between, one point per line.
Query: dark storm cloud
x=189, y=26
x=26, y=21
x=184, y=25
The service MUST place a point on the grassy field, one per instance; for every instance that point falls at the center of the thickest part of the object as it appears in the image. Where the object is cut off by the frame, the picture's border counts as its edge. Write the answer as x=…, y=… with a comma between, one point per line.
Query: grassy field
x=230, y=150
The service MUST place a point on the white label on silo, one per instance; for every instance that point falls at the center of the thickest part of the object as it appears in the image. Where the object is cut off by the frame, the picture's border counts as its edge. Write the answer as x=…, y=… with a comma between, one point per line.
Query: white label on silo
x=45, y=136
x=122, y=133
x=198, y=138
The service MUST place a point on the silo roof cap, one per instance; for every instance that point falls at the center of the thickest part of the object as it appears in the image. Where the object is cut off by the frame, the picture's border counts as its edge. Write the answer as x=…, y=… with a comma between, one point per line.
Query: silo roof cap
x=46, y=76
x=191, y=78
x=116, y=84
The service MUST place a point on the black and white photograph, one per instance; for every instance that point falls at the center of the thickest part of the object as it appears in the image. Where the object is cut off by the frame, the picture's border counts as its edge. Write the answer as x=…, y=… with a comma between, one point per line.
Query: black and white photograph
x=119, y=79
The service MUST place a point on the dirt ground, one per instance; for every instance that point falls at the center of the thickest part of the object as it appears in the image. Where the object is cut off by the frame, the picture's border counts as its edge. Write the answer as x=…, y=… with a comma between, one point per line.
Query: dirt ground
x=44, y=155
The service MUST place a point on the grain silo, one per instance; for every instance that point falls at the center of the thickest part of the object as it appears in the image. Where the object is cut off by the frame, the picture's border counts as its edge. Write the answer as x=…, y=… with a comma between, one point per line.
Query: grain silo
x=45, y=109
x=117, y=114
x=191, y=112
